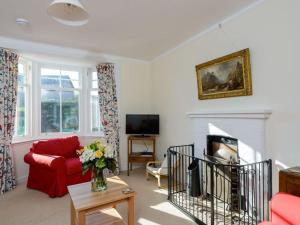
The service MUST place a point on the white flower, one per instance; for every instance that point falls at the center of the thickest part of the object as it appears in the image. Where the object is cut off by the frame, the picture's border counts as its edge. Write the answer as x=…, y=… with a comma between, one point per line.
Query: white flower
x=87, y=155
x=109, y=153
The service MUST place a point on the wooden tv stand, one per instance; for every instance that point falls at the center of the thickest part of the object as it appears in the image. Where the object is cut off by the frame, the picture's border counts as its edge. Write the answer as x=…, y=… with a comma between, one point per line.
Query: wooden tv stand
x=139, y=157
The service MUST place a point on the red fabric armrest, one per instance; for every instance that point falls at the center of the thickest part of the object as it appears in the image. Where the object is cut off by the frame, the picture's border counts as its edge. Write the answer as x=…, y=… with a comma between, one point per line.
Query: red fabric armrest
x=46, y=161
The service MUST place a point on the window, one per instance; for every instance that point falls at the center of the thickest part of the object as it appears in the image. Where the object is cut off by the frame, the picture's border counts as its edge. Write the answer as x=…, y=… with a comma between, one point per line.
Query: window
x=54, y=100
x=94, y=104
x=21, y=121
x=60, y=92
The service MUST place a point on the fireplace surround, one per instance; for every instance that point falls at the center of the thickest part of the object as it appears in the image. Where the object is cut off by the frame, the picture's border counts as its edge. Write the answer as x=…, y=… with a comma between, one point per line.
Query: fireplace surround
x=235, y=180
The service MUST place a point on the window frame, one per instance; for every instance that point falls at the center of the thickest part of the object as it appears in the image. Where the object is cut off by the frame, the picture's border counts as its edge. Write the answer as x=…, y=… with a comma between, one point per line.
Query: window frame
x=89, y=96
x=59, y=89
x=28, y=101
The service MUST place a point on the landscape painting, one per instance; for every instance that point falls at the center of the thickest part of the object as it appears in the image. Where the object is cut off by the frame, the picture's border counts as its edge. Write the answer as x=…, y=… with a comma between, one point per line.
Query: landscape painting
x=227, y=76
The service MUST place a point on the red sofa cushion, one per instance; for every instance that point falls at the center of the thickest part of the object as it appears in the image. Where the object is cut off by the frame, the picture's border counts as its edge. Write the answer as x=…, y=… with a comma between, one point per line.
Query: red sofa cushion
x=285, y=209
x=65, y=147
x=73, y=166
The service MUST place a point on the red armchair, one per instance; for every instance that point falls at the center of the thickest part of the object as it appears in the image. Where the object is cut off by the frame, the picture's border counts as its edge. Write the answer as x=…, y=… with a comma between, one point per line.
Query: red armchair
x=284, y=210
x=53, y=165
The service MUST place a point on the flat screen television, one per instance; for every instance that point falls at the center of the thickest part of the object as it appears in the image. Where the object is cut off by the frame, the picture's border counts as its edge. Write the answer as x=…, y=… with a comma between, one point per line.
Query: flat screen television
x=142, y=124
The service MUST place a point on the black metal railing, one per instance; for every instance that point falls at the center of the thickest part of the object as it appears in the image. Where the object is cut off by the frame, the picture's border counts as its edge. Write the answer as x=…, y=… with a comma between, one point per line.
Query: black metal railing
x=212, y=192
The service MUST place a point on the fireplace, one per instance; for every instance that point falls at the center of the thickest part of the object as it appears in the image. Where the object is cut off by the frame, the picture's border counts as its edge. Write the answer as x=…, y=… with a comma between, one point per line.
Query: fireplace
x=235, y=180
x=224, y=150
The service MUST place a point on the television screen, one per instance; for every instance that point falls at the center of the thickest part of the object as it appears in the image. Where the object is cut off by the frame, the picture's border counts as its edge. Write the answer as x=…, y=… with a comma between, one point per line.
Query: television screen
x=142, y=124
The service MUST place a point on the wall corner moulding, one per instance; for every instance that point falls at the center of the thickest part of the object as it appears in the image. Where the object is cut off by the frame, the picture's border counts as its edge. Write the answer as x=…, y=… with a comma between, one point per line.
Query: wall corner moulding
x=231, y=113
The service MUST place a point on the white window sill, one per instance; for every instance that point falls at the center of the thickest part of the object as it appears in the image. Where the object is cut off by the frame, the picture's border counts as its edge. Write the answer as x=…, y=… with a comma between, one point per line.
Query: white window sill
x=100, y=135
x=19, y=140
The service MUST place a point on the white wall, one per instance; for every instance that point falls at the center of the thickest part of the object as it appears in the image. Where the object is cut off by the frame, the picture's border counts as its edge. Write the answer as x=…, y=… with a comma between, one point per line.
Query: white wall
x=271, y=31
x=134, y=97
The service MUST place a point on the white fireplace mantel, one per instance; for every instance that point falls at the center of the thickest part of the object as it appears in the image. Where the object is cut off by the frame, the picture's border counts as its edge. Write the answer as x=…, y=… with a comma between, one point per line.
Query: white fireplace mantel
x=247, y=125
x=232, y=113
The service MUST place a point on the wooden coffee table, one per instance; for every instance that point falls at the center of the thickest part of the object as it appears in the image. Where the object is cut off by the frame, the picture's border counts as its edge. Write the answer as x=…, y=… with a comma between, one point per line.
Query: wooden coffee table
x=97, y=208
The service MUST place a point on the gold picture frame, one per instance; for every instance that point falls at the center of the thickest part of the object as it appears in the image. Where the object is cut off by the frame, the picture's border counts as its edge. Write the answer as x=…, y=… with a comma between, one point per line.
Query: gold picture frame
x=227, y=76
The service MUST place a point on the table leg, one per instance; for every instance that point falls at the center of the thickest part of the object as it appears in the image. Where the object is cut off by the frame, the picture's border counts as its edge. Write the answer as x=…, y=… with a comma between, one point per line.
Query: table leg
x=73, y=213
x=131, y=211
x=128, y=153
x=81, y=218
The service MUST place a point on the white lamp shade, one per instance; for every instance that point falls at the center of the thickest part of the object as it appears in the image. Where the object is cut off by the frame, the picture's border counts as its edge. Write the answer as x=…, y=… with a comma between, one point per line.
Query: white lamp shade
x=68, y=12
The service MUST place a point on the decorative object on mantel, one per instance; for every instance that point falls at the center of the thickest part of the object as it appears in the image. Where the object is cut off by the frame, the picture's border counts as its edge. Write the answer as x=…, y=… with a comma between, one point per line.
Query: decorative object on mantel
x=100, y=158
x=227, y=76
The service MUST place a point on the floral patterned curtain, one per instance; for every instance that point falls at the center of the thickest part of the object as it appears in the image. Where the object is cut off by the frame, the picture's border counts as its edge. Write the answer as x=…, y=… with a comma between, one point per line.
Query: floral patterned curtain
x=109, y=106
x=8, y=101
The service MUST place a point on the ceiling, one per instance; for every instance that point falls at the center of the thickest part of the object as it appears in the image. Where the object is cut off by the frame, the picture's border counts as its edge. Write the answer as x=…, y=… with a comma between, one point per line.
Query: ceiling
x=141, y=29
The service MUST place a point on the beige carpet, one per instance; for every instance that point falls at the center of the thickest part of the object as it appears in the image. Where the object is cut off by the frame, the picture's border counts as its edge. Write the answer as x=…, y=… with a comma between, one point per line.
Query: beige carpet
x=23, y=206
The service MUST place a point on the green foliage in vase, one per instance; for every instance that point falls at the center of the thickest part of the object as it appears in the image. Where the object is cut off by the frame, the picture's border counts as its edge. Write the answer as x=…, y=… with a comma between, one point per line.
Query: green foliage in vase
x=97, y=155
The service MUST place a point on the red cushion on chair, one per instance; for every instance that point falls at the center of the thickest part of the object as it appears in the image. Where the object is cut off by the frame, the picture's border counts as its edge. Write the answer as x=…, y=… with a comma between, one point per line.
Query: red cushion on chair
x=65, y=147
x=285, y=209
x=73, y=166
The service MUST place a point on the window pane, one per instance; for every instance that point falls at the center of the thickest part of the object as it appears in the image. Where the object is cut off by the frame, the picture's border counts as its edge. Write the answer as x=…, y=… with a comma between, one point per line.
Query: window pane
x=95, y=112
x=94, y=76
x=21, y=79
x=21, y=76
x=66, y=83
x=70, y=75
x=21, y=68
x=50, y=111
x=70, y=111
x=50, y=72
x=50, y=77
x=94, y=84
x=70, y=79
x=20, y=113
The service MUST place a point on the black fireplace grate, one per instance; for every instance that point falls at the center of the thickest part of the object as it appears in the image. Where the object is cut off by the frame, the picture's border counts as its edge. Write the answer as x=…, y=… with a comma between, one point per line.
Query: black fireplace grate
x=218, y=193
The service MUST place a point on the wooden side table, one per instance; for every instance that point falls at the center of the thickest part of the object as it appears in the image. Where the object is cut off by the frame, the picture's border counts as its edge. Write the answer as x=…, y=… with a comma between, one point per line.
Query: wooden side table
x=85, y=204
x=289, y=181
x=139, y=157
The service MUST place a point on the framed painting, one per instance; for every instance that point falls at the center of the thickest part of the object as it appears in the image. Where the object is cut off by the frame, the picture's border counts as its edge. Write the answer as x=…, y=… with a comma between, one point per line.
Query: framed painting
x=227, y=76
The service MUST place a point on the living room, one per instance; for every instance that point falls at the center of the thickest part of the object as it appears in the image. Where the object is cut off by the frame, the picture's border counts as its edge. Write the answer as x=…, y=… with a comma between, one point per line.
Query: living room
x=149, y=51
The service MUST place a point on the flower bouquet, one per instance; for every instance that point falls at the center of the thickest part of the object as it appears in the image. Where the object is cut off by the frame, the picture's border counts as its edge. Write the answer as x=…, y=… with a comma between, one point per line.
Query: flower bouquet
x=100, y=158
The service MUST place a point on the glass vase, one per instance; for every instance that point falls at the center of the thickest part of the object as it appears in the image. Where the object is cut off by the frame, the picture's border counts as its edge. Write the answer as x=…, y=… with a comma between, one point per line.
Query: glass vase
x=98, y=182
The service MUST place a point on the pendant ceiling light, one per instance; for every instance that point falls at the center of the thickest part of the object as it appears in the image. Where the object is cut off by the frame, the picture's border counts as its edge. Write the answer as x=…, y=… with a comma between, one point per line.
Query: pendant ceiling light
x=68, y=12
